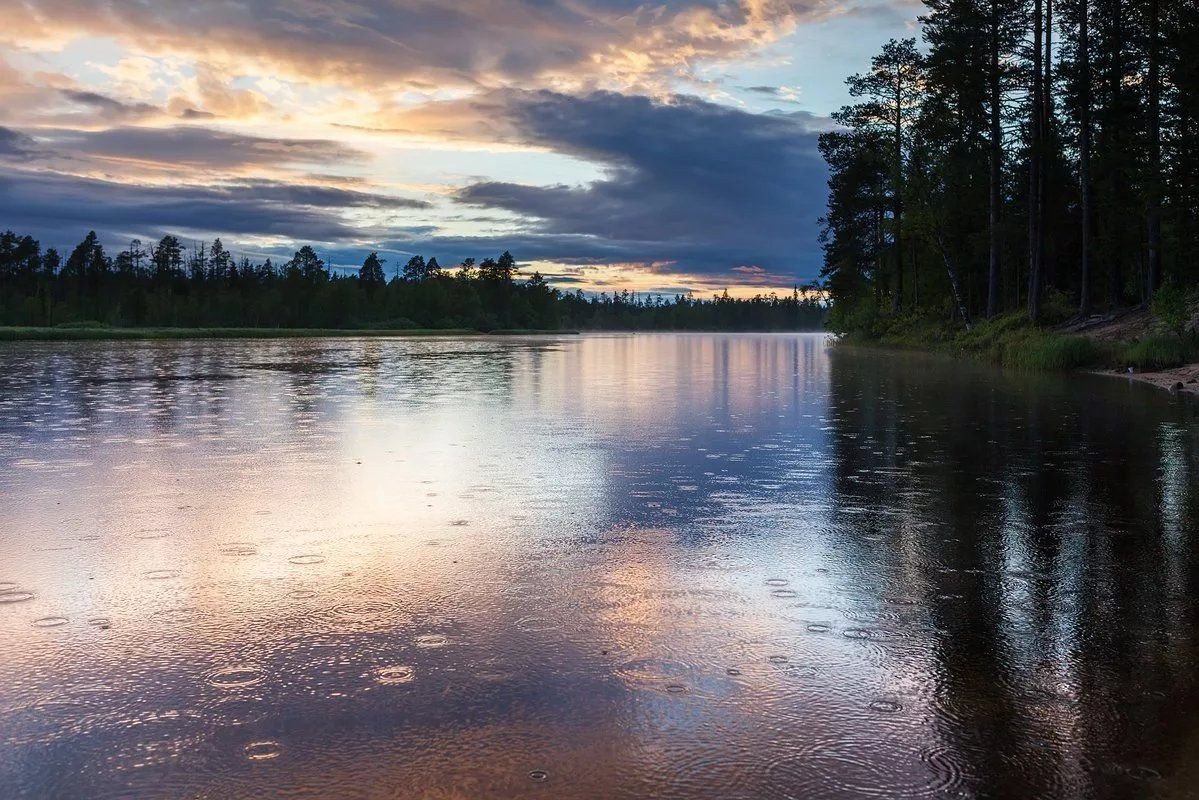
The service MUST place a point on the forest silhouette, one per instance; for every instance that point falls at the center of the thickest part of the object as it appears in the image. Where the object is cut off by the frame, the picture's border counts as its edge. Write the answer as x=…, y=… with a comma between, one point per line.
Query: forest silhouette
x=168, y=284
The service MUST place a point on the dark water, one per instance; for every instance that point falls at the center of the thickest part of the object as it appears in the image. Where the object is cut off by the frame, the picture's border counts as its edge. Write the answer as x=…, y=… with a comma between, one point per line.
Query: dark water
x=589, y=567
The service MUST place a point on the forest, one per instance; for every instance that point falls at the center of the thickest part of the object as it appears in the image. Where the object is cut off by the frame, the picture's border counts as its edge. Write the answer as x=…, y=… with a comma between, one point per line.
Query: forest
x=170, y=285
x=1025, y=158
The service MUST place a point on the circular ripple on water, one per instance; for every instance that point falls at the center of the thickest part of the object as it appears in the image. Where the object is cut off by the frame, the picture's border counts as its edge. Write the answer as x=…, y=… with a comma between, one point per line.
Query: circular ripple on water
x=161, y=574
x=50, y=622
x=656, y=673
x=15, y=596
x=817, y=627
x=784, y=594
x=536, y=624
x=307, y=559
x=152, y=533
x=538, y=776
x=869, y=615
x=394, y=675
x=886, y=706
x=527, y=592
x=431, y=640
x=301, y=594
x=366, y=613
x=239, y=549
x=852, y=767
x=263, y=751
x=103, y=623
x=235, y=677
x=859, y=633
x=777, y=581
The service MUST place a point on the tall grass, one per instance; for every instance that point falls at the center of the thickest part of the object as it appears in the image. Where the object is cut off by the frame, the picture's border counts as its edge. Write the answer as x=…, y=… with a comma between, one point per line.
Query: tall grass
x=1008, y=341
x=1160, y=352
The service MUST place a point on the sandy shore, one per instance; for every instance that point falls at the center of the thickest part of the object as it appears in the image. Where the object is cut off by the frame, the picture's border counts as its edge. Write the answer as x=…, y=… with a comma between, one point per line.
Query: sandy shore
x=1130, y=325
x=1184, y=379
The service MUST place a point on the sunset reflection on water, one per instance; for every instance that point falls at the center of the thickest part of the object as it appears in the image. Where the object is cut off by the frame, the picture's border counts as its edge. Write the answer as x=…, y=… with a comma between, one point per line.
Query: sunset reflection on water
x=601, y=566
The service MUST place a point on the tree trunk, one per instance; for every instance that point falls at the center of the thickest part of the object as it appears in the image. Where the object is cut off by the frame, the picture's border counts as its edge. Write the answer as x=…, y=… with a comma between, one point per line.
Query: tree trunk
x=1034, y=169
x=897, y=199
x=1115, y=81
x=1084, y=153
x=959, y=305
x=996, y=146
x=1153, y=218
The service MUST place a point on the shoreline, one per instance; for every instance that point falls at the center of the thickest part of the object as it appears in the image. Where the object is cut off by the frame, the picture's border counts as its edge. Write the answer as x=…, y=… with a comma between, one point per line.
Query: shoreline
x=69, y=334
x=1176, y=380
x=11, y=333
x=1128, y=343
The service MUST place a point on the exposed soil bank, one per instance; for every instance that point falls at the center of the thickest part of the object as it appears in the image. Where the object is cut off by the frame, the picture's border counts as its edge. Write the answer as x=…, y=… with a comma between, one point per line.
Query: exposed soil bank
x=1127, y=329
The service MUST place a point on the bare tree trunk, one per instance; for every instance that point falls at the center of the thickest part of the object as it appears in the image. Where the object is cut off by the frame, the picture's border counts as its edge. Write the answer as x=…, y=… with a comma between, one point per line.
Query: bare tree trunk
x=996, y=145
x=1084, y=152
x=953, y=281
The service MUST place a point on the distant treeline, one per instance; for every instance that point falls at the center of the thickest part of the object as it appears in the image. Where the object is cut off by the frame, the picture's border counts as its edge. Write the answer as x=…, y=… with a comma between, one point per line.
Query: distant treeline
x=204, y=285
x=1029, y=156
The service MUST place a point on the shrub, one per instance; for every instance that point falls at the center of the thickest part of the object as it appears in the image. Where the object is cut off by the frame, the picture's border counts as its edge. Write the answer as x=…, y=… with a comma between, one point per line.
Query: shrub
x=82, y=323
x=1171, y=308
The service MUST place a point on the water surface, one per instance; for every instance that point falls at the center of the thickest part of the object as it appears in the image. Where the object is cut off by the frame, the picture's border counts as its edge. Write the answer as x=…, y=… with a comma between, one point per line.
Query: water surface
x=604, y=566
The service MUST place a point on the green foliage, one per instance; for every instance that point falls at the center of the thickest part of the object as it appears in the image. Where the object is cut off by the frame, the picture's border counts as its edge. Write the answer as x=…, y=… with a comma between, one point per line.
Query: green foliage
x=930, y=198
x=1037, y=350
x=1159, y=352
x=1172, y=308
x=158, y=288
x=1008, y=340
x=82, y=323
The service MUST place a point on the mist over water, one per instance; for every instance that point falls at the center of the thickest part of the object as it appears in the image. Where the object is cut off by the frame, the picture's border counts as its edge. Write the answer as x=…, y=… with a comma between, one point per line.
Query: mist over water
x=677, y=566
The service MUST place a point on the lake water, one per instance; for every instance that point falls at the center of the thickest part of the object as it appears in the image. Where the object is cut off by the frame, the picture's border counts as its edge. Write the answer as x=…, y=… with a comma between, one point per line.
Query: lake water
x=675, y=566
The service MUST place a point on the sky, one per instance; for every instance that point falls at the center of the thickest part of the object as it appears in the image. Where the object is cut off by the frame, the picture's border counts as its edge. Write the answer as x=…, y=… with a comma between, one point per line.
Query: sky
x=609, y=144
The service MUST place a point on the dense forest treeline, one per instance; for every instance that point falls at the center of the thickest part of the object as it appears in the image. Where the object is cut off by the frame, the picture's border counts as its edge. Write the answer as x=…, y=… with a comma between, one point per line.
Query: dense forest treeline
x=170, y=285
x=1039, y=156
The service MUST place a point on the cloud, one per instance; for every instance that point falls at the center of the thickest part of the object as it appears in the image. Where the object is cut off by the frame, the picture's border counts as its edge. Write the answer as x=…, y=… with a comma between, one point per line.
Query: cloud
x=124, y=135
x=16, y=146
x=60, y=208
x=696, y=186
x=193, y=147
x=476, y=42
x=108, y=108
x=705, y=185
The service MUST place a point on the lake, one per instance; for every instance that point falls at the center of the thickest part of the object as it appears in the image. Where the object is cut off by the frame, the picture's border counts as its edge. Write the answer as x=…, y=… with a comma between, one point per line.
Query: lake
x=674, y=566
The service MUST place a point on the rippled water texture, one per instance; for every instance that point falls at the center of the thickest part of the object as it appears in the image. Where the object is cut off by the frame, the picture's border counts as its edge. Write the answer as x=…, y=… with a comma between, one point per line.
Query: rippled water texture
x=589, y=567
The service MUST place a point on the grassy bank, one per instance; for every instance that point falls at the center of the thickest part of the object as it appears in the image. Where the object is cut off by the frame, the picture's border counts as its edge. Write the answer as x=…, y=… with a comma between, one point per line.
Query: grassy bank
x=1010, y=341
x=100, y=333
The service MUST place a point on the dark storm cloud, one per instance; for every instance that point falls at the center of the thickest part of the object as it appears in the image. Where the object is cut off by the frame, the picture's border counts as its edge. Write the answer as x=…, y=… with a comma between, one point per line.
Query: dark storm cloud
x=16, y=146
x=198, y=147
x=108, y=108
x=61, y=208
x=705, y=185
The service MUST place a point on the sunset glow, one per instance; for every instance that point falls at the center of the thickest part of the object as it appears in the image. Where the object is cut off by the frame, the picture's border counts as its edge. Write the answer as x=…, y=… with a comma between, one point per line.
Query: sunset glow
x=610, y=145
